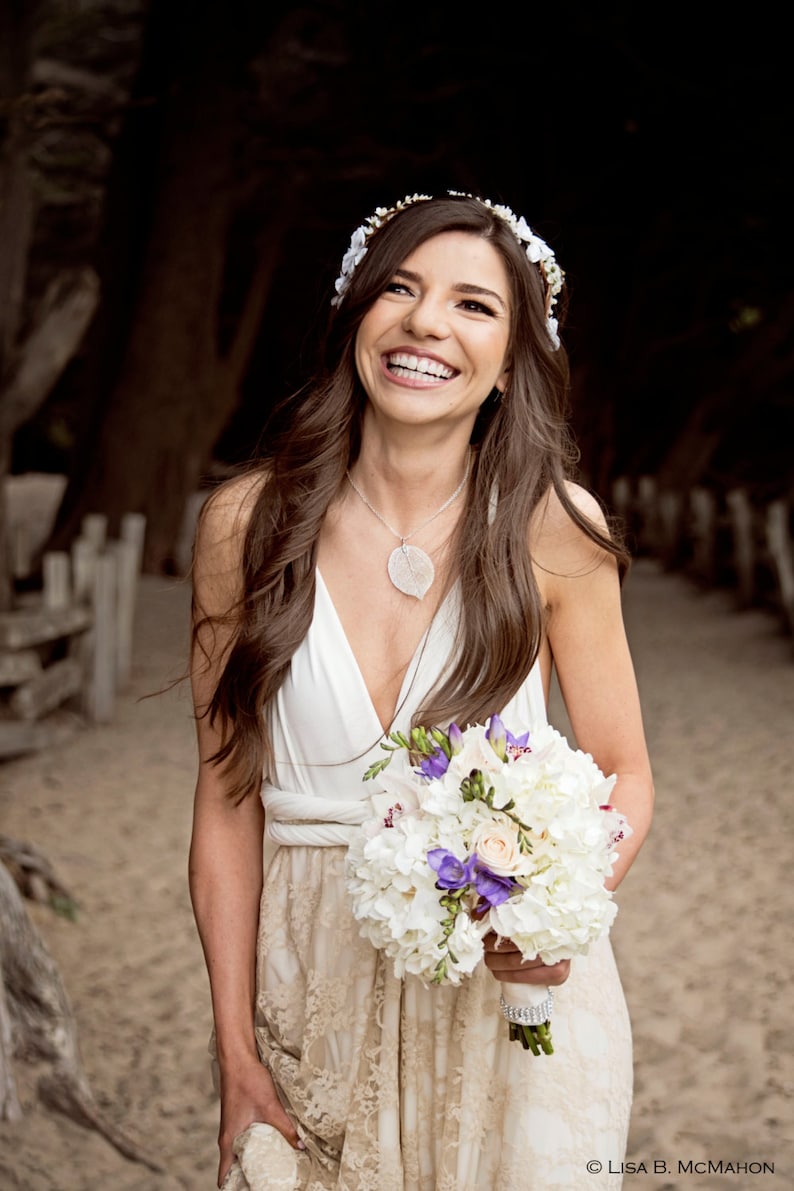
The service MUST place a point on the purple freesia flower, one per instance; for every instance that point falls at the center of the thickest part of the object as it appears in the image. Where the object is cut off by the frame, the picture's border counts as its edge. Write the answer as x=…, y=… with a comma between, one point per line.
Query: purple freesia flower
x=452, y=873
x=436, y=765
x=499, y=738
x=492, y=888
x=455, y=738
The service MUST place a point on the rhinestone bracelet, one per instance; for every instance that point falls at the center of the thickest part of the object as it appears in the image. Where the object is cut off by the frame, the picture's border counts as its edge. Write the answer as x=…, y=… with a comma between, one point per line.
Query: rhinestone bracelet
x=528, y=1015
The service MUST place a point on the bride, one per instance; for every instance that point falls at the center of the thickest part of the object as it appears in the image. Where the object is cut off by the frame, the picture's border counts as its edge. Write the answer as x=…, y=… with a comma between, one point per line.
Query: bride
x=413, y=549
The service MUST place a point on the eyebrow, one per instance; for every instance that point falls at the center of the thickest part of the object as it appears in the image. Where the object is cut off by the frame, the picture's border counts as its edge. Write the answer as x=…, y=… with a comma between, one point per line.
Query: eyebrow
x=462, y=287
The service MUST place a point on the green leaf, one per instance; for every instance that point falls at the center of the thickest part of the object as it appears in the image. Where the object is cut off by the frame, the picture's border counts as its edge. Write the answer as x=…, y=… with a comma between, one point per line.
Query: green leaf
x=376, y=768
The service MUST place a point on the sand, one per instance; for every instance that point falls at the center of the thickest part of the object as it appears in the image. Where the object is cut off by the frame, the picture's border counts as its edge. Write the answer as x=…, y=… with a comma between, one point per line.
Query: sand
x=703, y=934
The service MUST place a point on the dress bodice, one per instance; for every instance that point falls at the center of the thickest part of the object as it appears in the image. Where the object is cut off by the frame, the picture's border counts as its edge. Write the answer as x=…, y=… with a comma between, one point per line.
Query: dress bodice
x=326, y=731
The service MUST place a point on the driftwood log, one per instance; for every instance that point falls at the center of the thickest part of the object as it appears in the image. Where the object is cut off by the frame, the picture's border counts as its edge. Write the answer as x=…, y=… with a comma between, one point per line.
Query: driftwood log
x=36, y=1019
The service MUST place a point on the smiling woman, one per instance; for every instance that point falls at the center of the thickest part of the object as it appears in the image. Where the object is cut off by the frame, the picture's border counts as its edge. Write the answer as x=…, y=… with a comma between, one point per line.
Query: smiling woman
x=428, y=333
x=438, y=421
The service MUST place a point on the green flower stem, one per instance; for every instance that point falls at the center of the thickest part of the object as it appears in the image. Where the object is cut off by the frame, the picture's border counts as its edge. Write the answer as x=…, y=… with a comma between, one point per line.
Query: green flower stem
x=534, y=1038
x=451, y=901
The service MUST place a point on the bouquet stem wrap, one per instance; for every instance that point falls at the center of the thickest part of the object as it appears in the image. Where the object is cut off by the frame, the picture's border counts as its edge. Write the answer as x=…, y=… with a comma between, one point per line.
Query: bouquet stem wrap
x=527, y=1008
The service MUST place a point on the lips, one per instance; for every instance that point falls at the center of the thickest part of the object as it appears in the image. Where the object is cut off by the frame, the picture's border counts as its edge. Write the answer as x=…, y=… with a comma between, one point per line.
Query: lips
x=409, y=366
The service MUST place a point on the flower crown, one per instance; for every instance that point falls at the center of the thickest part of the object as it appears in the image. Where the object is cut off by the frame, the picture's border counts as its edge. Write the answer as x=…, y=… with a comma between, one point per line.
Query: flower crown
x=537, y=250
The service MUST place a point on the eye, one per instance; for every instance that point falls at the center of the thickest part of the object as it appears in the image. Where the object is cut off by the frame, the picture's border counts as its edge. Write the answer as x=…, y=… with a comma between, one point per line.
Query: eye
x=476, y=307
x=397, y=287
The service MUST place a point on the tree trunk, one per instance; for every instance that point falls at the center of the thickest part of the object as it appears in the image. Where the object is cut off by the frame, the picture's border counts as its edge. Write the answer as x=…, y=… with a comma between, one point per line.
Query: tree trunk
x=54, y=336
x=17, y=212
x=178, y=377
x=37, y=1024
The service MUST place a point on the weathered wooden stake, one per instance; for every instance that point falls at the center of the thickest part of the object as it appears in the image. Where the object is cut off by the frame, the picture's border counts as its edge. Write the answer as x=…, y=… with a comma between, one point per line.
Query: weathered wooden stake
x=648, y=532
x=84, y=556
x=133, y=529
x=670, y=520
x=621, y=496
x=95, y=528
x=103, y=681
x=127, y=564
x=56, y=579
x=740, y=513
x=780, y=547
x=703, y=513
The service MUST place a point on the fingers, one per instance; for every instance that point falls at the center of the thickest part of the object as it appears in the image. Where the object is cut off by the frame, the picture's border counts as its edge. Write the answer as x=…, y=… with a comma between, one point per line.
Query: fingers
x=267, y=1113
x=504, y=961
x=249, y=1097
x=224, y=1166
x=227, y=1158
x=531, y=973
x=286, y=1126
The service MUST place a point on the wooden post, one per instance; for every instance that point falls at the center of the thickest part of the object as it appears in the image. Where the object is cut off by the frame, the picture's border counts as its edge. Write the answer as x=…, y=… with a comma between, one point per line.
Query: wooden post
x=646, y=500
x=621, y=499
x=671, y=508
x=56, y=578
x=84, y=556
x=133, y=529
x=740, y=514
x=127, y=563
x=129, y=559
x=703, y=510
x=95, y=528
x=103, y=677
x=780, y=547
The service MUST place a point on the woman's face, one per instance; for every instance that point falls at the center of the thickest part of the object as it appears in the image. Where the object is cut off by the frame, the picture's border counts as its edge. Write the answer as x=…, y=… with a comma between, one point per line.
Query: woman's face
x=435, y=343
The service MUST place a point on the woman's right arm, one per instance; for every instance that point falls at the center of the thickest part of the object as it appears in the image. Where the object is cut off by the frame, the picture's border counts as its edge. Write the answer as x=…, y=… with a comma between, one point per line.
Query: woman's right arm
x=225, y=863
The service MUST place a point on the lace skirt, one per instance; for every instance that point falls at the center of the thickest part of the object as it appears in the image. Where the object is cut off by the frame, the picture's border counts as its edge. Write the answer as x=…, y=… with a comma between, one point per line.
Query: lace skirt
x=398, y=1087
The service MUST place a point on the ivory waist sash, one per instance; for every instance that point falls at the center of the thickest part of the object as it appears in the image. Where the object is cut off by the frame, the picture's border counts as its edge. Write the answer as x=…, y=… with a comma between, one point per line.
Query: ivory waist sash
x=297, y=819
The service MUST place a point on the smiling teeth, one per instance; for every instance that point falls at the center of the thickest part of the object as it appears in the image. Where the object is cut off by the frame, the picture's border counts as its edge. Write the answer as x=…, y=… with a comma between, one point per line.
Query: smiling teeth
x=405, y=363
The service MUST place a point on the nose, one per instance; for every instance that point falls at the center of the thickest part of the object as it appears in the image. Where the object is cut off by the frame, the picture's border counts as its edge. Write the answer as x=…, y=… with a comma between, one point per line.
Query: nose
x=427, y=318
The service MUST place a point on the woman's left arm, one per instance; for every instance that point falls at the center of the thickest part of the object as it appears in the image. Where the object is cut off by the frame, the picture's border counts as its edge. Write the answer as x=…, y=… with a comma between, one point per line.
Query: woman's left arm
x=580, y=586
x=595, y=671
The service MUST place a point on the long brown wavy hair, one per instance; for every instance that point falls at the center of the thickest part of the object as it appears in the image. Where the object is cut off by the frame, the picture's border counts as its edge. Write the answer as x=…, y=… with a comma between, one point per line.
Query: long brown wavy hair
x=523, y=448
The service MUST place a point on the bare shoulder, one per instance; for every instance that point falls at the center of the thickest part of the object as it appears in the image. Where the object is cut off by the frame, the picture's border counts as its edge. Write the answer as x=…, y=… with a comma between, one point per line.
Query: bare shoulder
x=227, y=511
x=561, y=549
x=220, y=536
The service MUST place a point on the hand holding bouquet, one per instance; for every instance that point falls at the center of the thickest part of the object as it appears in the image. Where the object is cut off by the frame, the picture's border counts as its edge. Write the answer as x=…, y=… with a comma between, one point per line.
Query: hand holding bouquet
x=489, y=832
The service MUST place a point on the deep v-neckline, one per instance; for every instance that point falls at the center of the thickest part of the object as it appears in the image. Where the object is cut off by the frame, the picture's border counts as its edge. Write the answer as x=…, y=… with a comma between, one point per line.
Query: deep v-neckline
x=410, y=670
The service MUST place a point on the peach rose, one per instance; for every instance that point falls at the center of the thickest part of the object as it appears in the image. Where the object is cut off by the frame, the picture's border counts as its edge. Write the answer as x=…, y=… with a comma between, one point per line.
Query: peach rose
x=496, y=844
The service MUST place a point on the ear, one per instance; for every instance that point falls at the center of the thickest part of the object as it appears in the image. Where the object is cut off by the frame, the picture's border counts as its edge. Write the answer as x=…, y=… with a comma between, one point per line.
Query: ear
x=501, y=380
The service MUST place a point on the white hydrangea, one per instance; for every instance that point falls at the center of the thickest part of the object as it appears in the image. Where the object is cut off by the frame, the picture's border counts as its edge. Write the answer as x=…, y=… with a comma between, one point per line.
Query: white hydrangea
x=543, y=824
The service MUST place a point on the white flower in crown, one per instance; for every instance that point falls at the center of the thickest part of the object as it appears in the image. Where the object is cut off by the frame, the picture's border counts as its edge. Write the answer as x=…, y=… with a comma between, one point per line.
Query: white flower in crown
x=353, y=257
x=357, y=249
x=537, y=250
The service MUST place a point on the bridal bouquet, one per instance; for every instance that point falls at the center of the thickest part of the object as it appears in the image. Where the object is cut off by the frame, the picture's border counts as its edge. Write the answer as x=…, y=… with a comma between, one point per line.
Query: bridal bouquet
x=480, y=831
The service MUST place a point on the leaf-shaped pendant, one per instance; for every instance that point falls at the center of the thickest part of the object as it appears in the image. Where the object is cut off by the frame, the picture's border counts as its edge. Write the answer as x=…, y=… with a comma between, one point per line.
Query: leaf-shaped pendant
x=411, y=571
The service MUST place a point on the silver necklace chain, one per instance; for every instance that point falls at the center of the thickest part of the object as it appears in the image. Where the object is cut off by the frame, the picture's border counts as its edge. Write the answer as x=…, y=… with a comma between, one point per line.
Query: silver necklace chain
x=404, y=537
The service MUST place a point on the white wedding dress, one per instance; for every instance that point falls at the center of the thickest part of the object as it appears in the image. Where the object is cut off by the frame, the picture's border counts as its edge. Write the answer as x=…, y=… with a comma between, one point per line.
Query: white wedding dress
x=398, y=1087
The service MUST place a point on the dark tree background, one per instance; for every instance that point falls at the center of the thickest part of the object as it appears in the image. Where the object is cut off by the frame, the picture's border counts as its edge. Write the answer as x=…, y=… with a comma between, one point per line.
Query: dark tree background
x=207, y=163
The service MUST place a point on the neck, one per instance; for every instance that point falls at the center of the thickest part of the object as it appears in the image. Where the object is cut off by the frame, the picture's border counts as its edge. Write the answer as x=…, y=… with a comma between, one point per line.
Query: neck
x=408, y=490
x=409, y=471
